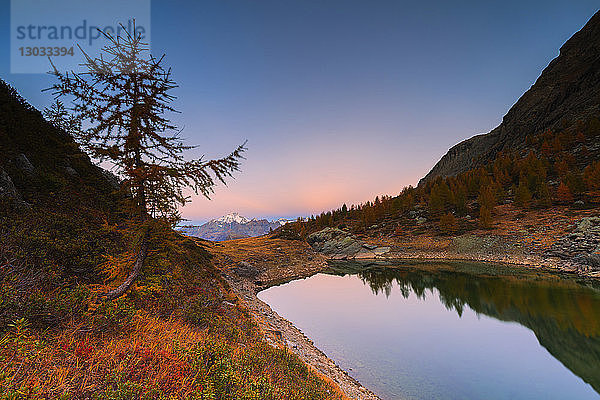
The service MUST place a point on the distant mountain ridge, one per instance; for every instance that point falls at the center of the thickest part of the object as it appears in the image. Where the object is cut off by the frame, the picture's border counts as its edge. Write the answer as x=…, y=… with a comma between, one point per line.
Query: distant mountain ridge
x=567, y=91
x=233, y=226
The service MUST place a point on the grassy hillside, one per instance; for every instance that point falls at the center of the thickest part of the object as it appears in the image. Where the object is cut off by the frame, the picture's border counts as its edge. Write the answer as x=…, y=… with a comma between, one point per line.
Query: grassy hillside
x=54, y=221
x=180, y=332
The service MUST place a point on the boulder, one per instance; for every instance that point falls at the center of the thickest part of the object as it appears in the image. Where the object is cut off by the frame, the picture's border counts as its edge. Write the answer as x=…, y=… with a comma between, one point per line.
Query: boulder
x=246, y=270
x=588, y=260
x=23, y=163
x=381, y=250
x=588, y=224
x=71, y=171
x=7, y=188
x=340, y=245
x=335, y=242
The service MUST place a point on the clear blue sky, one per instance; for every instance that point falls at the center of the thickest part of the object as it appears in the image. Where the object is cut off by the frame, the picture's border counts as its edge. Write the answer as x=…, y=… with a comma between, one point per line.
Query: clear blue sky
x=339, y=100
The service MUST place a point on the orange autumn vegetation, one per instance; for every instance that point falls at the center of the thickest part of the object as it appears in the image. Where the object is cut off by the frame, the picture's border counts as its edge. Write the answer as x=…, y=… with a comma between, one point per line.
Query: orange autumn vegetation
x=563, y=193
x=181, y=332
x=152, y=359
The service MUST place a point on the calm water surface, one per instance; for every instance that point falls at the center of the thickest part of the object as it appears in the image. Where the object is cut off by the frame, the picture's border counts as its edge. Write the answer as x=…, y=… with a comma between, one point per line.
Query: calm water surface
x=451, y=331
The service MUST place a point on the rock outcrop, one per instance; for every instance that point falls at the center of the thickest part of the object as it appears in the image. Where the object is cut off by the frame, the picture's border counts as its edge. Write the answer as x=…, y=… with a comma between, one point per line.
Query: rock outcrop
x=7, y=187
x=338, y=244
x=582, y=245
x=246, y=270
x=39, y=162
x=568, y=90
x=23, y=164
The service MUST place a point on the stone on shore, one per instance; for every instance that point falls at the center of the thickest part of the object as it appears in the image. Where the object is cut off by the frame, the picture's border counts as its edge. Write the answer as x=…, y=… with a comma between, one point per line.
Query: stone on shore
x=341, y=245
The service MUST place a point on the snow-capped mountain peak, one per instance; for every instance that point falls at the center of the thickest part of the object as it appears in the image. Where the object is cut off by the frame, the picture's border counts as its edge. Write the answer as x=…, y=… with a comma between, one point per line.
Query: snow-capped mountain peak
x=234, y=226
x=233, y=217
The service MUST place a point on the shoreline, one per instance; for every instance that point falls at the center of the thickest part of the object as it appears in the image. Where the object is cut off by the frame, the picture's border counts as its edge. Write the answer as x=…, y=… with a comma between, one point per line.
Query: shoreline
x=275, y=266
x=301, y=261
x=533, y=263
x=281, y=332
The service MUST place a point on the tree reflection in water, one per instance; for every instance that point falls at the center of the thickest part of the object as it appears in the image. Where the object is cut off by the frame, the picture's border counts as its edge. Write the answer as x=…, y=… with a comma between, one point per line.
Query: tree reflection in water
x=563, y=314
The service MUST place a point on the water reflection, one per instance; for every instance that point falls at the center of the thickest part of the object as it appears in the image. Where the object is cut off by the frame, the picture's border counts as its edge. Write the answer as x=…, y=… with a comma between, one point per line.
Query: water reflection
x=563, y=314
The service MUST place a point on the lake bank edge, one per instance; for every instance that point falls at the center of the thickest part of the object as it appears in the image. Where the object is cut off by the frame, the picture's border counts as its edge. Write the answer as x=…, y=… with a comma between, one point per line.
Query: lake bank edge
x=305, y=262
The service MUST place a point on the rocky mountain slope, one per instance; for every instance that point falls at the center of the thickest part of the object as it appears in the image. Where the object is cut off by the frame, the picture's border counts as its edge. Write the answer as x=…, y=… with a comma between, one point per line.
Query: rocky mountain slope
x=54, y=202
x=232, y=226
x=567, y=91
x=40, y=163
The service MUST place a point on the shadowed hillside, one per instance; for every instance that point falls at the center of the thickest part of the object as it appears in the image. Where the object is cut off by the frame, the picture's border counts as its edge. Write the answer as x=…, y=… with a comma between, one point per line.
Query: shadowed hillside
x=42, y=164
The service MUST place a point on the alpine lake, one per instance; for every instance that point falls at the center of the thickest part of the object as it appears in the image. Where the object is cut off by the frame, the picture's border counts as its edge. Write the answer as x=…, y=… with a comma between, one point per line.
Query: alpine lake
x=411, y=330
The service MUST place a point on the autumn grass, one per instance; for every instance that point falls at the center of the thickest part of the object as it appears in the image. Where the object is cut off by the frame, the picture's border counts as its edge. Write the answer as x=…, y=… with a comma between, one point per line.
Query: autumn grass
x=532, y=227
x=180, y=333
x=151, y=358
x=278, y=260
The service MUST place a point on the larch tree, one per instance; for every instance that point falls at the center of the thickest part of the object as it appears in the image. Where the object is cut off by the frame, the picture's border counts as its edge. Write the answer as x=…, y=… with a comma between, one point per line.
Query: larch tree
x=522, y=195
x=485, y=217
x=448, y=224
x=563, y=194
x=487, y=197
x=123, y=98
x=59, y=116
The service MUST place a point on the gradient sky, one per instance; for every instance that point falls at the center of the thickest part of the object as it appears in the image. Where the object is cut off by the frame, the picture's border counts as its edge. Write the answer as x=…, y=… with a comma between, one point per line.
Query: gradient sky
x=339, y=100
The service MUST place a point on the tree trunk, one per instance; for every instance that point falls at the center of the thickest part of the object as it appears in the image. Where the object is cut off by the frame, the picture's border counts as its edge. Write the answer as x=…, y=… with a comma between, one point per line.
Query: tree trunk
x=139, y=185
x=134, y=274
